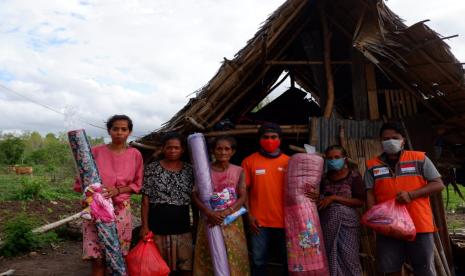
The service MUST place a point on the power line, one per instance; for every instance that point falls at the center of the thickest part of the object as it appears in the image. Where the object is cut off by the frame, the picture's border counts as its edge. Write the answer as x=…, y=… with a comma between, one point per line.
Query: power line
x=51, y=108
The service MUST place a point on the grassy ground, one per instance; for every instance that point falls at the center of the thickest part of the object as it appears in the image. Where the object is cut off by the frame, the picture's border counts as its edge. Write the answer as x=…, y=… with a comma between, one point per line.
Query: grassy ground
x=455, y=208
x=18, y=187
x=455, y=202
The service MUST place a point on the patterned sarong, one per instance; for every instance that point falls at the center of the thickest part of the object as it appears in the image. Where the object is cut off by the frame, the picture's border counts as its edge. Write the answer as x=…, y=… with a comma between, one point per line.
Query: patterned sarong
x=341, y=230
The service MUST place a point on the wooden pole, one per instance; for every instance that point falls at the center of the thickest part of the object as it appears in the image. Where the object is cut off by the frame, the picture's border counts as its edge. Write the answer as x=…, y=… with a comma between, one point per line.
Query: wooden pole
x=306, y=62
x=56, y=224
x=387, y=98
x=327, y=59
x=196, y=124
x=8, y=272
x=437, y=206
x=258, y=126
x=372, y=92
x=252, y=131
x=143, y=146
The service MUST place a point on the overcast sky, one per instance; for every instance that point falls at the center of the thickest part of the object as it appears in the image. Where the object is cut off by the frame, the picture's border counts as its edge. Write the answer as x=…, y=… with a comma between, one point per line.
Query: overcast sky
x=138, y=57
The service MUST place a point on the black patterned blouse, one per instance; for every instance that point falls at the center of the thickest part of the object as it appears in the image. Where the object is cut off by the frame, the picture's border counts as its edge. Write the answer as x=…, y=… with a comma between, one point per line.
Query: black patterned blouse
x=168, y=187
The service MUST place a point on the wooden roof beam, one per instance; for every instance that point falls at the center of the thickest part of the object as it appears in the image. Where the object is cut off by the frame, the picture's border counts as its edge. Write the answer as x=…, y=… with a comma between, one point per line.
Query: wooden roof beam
x=401, y=82
x=142, y=146
x=438, y=66
x=418, y=23
x=420, y=46
x=305, y=62
x=440, y=63
x=292, y=129
x=239, y=96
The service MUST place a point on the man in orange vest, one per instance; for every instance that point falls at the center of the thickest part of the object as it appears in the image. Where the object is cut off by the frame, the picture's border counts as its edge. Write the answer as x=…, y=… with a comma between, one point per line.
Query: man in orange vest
x=410, y=177
x=264, y=173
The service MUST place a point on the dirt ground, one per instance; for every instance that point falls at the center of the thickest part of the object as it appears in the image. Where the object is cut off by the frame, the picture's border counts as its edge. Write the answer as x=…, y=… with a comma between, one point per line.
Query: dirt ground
x=46, y=211
x=64, y=259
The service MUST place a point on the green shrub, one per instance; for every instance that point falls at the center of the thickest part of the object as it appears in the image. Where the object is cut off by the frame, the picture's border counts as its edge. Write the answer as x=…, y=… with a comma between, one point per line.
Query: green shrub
x=30, y=189
x=19, y=237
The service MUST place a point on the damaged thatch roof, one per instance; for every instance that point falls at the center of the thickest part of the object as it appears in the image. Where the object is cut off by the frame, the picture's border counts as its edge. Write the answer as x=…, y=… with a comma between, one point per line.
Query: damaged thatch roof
x=415, y=59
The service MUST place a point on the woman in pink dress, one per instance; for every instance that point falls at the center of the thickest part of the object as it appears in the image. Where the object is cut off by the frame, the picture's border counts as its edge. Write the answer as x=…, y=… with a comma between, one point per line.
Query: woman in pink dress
x=229, y=195
x=121, y=170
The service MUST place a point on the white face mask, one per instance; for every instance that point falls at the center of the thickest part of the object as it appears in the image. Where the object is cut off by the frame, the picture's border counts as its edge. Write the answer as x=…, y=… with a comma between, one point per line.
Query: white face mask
x=392, y=146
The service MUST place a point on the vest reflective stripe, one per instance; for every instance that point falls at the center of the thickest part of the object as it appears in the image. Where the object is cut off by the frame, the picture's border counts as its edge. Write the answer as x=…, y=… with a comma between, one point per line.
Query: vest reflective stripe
x=408, y=177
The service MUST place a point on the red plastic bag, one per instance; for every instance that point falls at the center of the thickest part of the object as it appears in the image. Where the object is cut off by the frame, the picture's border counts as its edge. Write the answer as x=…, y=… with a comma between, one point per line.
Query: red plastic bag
x=145, y=259
x=390, y=219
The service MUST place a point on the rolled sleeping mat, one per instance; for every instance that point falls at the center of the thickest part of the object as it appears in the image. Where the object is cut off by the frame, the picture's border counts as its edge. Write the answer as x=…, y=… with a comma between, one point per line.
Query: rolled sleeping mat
x=305, y=243
x=82, y=153
x=90, y=177
x=201, y=165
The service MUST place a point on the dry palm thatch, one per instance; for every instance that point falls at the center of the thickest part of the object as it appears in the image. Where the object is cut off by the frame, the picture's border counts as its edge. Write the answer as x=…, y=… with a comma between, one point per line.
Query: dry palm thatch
x=415, y=58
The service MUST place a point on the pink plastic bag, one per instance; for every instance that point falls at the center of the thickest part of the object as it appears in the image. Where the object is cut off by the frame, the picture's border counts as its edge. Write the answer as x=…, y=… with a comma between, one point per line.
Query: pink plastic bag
x=390, y=219
x=145, y=259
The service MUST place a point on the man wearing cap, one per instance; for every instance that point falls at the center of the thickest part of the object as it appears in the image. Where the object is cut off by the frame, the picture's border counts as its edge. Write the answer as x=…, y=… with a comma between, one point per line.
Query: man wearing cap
x=264, y=176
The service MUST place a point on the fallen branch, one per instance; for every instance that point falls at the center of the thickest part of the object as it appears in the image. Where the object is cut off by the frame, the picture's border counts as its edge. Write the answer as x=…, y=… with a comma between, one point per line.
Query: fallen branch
x=8, y=272
x=55, y=224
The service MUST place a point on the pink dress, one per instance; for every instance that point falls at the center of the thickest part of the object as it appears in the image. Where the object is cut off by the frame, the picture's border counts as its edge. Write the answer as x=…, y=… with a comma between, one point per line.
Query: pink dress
x=116, y=170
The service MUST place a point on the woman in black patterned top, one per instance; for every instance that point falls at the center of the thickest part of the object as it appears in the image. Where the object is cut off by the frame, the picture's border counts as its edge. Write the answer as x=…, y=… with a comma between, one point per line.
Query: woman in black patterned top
x=166, y=202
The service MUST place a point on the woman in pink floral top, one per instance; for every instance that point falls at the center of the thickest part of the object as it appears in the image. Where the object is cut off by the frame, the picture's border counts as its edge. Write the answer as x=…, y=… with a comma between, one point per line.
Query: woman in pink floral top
x=121, y=170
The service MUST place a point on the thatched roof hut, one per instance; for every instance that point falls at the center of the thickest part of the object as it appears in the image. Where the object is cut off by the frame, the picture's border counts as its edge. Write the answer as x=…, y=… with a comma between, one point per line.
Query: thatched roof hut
x=354, y=63
x=370, y=53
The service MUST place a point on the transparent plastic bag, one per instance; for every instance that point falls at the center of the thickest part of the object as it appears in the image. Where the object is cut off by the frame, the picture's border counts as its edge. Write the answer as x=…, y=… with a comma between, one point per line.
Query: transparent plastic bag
x=392, y=219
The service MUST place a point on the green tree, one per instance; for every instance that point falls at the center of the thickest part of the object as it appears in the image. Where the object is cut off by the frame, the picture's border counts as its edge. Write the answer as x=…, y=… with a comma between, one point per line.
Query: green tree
x=50, y=138
x=54, y=157
x=11, y=150
x=32, y=141
x=96, y=141
x=35, y=140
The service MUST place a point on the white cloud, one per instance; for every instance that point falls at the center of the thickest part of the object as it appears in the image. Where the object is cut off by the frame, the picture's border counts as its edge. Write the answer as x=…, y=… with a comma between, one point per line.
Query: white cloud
x=138, y=57
x=141, y=58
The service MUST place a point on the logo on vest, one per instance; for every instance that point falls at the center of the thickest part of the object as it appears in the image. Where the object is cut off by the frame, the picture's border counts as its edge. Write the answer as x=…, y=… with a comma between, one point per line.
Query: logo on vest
x=260, y=171
x=380, y=171
x=408, y=168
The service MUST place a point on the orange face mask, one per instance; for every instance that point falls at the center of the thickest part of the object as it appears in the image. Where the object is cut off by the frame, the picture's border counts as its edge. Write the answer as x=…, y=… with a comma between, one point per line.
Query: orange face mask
x=270, y=145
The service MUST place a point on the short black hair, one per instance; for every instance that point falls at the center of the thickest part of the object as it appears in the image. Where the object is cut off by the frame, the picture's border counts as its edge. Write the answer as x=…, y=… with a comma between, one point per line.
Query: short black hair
x=392, y=126
x=336, y=147
x=269, y=127
x=232, y=141
x=115, y=118
x=172, y=136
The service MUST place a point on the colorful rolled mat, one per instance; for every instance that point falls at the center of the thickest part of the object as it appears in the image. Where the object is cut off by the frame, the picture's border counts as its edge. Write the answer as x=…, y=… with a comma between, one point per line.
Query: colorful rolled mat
x=306, y=253
x=89, y=175
x=201, y=165
x=85, y=163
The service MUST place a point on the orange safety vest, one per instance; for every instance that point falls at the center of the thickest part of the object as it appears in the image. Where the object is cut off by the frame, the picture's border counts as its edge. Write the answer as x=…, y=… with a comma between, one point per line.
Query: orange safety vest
x=407, y=177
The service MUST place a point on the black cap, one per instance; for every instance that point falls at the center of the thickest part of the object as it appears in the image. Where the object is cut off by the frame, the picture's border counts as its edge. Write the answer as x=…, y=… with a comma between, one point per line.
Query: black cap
x=269, y=127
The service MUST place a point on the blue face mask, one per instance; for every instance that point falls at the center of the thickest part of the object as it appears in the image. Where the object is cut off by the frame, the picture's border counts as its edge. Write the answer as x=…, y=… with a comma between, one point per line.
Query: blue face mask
x=335, y=164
